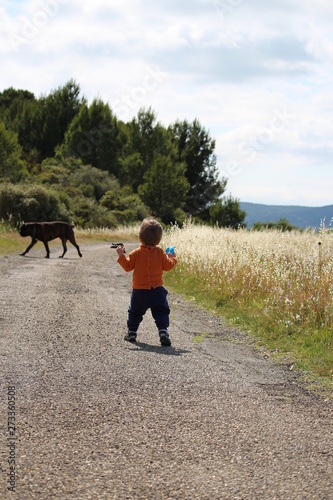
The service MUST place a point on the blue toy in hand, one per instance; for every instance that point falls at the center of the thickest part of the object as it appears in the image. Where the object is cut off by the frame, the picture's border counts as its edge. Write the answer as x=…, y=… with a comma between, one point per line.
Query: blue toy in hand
x=171, y=250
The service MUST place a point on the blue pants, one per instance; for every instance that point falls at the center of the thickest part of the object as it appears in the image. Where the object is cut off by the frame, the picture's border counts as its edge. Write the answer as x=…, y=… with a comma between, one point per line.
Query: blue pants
x=154, y=299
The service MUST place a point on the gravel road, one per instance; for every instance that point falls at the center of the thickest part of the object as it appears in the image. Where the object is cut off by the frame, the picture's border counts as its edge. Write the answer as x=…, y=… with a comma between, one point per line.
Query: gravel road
x=100, y=418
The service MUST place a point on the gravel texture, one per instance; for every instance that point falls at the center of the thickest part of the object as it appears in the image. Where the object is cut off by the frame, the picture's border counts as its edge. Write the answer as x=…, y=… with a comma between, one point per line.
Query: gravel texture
x=99, y=418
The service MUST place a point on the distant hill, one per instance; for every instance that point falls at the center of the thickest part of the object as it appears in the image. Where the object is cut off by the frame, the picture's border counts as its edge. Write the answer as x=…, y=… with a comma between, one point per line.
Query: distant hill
x=299, y=216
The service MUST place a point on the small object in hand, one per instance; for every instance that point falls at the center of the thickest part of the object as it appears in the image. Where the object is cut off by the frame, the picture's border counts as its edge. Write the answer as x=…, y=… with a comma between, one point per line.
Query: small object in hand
x=116, y=245
x=171, y=250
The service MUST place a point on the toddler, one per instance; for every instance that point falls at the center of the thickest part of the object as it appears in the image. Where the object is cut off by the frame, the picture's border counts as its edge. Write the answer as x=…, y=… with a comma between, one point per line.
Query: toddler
x=148, y=263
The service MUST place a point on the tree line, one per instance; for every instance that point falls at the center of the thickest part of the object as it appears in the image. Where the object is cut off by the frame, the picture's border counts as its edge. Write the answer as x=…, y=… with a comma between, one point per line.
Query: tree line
x=63, y=158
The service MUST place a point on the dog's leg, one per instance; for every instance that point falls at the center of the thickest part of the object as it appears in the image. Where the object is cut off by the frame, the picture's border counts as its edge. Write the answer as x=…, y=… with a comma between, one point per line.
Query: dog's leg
x=64, y=247
x=72, y=240
x=47, y=256
x=33, y=242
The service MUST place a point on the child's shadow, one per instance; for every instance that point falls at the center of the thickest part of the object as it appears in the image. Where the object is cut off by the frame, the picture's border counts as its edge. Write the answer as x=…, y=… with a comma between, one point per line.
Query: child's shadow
x=169, y=351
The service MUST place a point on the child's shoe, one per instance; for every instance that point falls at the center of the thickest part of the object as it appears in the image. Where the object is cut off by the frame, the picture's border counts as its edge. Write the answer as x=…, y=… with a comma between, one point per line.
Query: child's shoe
x=164, y=338
x=130, y=337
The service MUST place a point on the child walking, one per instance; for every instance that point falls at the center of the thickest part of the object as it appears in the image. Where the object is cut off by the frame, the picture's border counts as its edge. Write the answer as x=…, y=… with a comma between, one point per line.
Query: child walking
x=148, y=263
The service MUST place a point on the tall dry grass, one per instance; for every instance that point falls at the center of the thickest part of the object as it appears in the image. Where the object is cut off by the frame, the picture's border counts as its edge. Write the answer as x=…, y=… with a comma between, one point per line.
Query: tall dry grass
x=121, y=233
x=282, y=280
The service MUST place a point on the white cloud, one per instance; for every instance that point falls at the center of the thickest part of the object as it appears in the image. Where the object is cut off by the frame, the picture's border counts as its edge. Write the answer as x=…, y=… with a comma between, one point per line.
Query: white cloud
x=230, y=63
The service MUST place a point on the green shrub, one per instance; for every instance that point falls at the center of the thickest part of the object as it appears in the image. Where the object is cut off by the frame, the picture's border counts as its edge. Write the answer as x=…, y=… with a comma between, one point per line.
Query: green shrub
x=99, y=181
x=125, y=205
x=35, y=203
x=88, y=214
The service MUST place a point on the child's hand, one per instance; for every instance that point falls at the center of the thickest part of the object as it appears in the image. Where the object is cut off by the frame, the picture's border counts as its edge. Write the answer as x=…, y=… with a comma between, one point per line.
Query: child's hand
x=120, y=250
x=170, y=251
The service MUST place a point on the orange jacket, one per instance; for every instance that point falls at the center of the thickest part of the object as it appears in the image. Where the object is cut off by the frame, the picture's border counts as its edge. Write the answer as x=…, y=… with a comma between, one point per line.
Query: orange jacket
x=148, y=263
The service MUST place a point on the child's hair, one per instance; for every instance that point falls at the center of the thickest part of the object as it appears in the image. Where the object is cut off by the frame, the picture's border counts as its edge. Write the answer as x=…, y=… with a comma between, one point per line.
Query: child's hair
x=150, y=231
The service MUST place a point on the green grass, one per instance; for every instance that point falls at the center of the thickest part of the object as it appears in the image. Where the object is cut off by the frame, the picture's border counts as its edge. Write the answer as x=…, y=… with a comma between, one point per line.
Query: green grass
x=197, y=339
x=9, y=245
x=10, y=240
x=310, y=351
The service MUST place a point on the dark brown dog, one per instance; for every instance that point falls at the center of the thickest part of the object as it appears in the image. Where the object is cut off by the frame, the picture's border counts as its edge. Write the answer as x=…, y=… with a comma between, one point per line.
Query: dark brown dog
x=47, y=231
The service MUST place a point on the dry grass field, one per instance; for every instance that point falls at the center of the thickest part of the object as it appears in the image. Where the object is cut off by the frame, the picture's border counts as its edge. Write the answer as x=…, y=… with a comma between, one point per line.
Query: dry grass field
x=277, y=284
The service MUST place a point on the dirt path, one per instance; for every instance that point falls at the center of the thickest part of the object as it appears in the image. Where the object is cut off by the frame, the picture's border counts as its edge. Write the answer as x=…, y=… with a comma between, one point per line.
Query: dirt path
x=99, y=418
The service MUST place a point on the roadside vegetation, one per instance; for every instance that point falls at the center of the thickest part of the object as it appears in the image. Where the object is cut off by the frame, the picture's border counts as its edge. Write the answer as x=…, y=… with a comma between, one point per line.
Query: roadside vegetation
x=275, y=284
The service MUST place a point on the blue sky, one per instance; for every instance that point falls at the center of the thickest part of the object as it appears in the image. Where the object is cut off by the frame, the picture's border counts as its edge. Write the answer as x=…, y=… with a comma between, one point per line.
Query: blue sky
x=258, y=75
